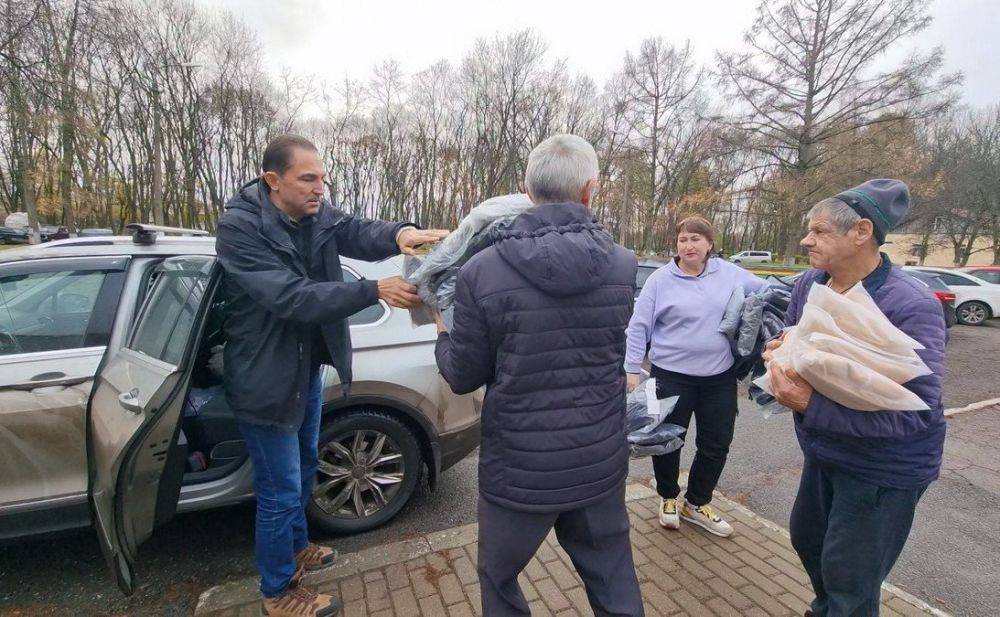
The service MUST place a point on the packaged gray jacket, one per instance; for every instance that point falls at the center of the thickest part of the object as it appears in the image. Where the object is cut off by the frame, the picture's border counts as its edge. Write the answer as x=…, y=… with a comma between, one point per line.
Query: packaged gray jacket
x=434, y=275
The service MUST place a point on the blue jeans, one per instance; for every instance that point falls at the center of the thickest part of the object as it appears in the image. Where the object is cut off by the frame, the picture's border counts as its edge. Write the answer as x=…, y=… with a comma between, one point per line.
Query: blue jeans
x=848, y=534
x=284, y=469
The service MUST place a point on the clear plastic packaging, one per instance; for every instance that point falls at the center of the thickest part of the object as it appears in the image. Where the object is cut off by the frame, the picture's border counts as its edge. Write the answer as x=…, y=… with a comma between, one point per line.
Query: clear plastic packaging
x=645, y=428
x=850, y=352
x=434, y=274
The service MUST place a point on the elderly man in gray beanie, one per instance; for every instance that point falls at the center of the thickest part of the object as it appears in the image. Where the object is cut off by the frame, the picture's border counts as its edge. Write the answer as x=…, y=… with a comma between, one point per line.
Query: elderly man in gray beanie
x=863, y=471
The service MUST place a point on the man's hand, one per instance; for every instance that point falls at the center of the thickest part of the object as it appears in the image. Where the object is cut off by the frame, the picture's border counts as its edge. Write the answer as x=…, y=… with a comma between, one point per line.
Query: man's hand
x=789, y=388
x=632, y=381
x=770, y=348
x=398, y=293
x=411, y=237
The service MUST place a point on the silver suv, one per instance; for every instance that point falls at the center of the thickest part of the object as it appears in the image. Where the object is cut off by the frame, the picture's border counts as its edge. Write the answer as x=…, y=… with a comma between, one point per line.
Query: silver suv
x=112, y=413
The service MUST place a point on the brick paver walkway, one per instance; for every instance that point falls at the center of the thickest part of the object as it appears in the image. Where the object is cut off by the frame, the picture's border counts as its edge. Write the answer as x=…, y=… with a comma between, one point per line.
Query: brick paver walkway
x=686, y=572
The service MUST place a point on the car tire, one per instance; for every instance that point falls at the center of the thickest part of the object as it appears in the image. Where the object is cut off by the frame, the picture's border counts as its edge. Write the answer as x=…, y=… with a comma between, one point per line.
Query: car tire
x=736, y=261
x=339, y=448
x=973, y=313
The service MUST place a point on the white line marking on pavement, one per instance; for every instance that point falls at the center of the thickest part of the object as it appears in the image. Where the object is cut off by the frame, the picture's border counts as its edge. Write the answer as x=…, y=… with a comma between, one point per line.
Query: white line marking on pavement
x=957, y=410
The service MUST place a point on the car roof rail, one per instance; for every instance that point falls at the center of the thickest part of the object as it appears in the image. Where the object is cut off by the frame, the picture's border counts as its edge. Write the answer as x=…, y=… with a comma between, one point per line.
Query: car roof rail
x=146, y=234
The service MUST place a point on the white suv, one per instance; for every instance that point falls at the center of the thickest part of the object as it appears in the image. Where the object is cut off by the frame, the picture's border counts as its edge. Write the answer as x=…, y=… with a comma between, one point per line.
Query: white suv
x=751, y=257
x=111, y=414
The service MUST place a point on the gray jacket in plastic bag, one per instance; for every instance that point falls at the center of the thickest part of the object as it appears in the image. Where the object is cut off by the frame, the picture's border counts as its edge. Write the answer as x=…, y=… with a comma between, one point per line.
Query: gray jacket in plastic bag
x=645, y=429
x=434, y=275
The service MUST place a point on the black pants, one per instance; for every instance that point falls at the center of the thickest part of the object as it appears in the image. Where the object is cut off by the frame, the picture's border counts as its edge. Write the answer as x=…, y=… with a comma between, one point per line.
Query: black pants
x=848, y=534
x=595, y=537
x=712, y=400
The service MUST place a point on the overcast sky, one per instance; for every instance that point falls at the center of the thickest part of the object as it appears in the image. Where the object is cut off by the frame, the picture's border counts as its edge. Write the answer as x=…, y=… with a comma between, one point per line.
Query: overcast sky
x=331, y=39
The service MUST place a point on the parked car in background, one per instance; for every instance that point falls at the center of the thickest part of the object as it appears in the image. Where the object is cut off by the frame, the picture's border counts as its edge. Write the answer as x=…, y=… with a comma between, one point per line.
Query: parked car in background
x=941, y=292
x=990, y=274
x=47, y=233
x=751, y=257
x=112, y=412
x=976, y=301
x=646, y=268
x=13, y=235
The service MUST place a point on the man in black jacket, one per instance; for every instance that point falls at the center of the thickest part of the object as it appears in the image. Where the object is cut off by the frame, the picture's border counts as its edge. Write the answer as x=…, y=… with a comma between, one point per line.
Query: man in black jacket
x=540, y=320
x=286, y=309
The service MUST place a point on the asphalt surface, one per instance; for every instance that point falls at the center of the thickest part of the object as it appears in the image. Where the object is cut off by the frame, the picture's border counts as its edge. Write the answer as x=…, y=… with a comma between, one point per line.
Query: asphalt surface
x=950, y=560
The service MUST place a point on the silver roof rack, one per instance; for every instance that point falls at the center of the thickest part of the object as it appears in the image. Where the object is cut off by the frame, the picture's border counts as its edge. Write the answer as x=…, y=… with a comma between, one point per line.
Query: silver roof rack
x=146, y=234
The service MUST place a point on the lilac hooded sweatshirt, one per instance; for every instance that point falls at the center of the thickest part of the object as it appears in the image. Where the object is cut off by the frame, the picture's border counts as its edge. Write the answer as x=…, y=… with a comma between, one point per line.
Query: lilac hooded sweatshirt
x=679, y=316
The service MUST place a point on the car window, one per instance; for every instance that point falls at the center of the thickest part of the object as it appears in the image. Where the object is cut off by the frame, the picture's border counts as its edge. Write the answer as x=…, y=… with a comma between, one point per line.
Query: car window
x=165, y=323
x=367, y=315
x=990, y=276
x=47, y=311
x=642, y=274
x=954, y=279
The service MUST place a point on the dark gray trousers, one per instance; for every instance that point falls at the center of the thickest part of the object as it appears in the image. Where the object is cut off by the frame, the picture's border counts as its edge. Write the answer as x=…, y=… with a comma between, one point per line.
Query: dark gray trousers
x=848, y=534
x=595, y=537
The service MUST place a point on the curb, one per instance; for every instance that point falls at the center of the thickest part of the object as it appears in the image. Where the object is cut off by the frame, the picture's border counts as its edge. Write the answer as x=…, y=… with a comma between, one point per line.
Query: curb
x=902, y=594
x=973, y=407
x=235, y=593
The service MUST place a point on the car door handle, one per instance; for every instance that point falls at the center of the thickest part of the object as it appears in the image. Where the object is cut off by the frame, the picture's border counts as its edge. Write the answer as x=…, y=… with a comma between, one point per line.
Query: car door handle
x=130, y=401
x=53, y=376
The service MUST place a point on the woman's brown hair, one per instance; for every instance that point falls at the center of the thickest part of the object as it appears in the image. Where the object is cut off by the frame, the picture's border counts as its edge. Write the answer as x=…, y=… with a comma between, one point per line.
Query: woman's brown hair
x=697, y=225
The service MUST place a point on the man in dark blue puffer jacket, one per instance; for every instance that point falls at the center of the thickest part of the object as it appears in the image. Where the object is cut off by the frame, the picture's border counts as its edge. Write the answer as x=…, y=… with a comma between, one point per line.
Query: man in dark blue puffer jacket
x=540, y=320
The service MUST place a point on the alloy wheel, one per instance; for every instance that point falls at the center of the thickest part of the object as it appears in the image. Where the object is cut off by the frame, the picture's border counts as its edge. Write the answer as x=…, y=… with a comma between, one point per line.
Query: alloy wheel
x=359, y=473
x=972, y=313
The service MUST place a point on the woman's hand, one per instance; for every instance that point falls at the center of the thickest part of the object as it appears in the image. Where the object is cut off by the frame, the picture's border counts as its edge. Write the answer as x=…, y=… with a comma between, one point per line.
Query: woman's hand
x=632, y=381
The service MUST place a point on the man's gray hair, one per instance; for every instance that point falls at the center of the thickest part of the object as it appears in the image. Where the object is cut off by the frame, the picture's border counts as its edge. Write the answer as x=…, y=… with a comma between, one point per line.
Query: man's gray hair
x=559, y=168
x=842, y=216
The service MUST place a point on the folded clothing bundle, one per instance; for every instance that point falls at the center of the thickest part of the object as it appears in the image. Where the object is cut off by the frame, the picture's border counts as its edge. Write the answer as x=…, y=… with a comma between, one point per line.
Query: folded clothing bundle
x=850, y=352
x=434, y=275
x=645, y=428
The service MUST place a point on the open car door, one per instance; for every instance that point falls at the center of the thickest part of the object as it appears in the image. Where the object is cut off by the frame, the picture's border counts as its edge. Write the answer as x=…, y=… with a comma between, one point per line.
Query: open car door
x=135, y=452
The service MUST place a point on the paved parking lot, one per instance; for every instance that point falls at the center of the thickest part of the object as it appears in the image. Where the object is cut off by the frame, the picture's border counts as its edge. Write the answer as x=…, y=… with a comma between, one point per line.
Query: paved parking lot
x=951, y=560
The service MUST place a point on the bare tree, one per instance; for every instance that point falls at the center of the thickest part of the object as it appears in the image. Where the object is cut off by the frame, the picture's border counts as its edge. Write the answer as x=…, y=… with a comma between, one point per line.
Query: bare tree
x=811, y=74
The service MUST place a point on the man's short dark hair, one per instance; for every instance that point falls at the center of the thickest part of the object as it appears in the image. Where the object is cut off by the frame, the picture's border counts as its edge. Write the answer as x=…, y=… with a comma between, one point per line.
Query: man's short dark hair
x=278, y=153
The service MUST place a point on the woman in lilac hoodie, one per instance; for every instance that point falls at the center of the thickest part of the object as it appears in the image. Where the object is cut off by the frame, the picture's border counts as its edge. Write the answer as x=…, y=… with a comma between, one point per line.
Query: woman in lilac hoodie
x=677, y=316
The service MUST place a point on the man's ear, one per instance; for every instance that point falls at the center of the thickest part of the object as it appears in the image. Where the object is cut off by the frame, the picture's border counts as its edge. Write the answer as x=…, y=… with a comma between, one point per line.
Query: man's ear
x=271, y=178
x=588, y=191
x=865, y=230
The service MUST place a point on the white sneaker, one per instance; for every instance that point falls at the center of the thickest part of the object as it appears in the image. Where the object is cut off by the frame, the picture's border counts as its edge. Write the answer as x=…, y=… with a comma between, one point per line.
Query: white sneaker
x=668, y=514
x=706, y=518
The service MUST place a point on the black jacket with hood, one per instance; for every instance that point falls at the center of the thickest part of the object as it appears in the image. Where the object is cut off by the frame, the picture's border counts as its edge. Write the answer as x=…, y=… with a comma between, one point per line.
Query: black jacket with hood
x=540, y=319
x=275, y=310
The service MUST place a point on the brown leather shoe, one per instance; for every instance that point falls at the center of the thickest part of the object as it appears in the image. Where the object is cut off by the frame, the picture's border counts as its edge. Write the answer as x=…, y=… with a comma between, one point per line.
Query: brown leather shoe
x=315, y=557
x=311, y=558
x=300, y=601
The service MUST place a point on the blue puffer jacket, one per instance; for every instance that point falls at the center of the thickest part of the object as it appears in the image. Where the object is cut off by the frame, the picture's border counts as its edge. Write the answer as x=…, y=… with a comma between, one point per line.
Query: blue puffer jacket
x=540, y=320
x=897, y=449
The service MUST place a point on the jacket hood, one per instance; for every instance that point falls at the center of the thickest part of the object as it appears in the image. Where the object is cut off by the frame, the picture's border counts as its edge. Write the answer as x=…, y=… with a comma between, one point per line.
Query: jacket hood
x=559, y=248
x=248, y=198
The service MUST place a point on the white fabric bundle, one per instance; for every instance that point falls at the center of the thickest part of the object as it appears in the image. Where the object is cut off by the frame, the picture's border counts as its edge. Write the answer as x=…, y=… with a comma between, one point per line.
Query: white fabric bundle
x=850, y=352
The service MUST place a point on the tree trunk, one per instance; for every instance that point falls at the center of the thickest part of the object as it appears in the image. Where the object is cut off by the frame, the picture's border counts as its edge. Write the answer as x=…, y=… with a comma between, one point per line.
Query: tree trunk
x=67, y=135
x=156, y=199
